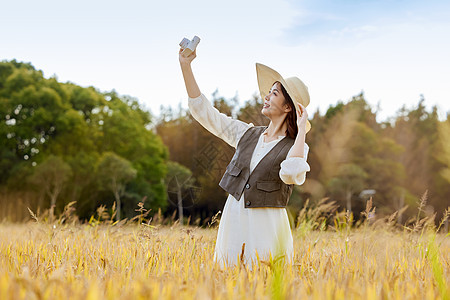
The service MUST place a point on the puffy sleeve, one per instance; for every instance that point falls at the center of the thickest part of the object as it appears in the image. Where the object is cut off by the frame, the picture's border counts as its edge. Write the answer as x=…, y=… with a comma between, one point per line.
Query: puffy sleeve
x=293, y=169
x=226, y=128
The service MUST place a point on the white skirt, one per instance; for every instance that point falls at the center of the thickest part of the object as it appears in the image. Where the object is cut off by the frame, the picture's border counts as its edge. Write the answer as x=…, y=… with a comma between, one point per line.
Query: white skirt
x=265, y=231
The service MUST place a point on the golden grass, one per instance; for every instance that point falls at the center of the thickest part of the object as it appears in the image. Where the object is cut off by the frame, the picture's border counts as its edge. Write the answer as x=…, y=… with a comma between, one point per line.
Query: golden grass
x=61, y=261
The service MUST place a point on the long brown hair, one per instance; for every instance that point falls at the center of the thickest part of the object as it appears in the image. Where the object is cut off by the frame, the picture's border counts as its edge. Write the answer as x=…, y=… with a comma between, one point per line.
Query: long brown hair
x=291, y=118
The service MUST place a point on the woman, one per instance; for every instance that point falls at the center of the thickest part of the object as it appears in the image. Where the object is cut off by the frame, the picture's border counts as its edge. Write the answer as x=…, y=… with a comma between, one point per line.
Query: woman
x=268, y=161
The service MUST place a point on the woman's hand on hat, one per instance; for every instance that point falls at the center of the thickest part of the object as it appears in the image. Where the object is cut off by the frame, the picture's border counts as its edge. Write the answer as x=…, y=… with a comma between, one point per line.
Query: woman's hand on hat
x=302, y=117
x=187, y=60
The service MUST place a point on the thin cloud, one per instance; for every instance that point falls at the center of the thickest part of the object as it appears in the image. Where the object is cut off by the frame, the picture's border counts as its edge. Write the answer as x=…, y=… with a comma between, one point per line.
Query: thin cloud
x=338, y=20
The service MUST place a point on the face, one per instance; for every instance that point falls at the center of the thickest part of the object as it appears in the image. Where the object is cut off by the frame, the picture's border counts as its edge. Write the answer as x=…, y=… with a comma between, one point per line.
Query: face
x=274, y=103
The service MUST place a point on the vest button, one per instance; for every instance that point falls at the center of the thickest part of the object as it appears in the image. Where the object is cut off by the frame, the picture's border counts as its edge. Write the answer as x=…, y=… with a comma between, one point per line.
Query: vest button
x=247, y=186
x=248, y=203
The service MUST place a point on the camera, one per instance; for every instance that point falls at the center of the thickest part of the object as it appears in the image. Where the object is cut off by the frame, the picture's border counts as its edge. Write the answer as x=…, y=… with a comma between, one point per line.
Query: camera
x=189, y=46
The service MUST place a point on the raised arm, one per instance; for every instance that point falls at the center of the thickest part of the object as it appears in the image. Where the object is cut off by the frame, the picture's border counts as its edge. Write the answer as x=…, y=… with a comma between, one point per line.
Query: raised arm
x=191, y=85
x=219, y=124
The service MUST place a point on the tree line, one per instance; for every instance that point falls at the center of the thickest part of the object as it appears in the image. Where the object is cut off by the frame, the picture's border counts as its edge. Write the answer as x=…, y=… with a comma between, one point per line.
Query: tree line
x=353, y=158
x=63, y=143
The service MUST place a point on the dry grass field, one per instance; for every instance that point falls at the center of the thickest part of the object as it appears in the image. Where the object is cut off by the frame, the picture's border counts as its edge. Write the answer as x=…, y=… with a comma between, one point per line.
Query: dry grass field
x=101, y=260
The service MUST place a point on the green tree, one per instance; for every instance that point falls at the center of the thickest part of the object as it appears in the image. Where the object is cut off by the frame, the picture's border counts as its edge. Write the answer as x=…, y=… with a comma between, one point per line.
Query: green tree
x=124, y=129
x=348, y=153
x=42, y=117
x=113, y=173
x=350, y=178
x=83, y=170
x=416, y=130
x=204, y=154
x=52, y=175
x=179, y=181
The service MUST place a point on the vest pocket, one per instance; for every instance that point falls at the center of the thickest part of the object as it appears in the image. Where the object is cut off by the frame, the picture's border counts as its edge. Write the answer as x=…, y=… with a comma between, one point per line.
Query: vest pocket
x=268, y=186
x=233, y=170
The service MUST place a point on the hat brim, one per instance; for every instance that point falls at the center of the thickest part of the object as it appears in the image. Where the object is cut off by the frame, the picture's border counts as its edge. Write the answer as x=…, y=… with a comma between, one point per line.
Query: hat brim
x=266, y=78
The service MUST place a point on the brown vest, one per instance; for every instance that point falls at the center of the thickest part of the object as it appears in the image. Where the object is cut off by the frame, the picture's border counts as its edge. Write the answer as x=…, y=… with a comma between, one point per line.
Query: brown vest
x=263, y=187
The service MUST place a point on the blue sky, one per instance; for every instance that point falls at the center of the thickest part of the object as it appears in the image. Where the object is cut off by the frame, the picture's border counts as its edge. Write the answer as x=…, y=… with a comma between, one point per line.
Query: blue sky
x=392, y=50
x=359, y=19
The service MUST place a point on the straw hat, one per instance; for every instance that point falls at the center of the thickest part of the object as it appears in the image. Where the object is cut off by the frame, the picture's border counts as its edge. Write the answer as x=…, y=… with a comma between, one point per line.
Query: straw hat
x=293, y=85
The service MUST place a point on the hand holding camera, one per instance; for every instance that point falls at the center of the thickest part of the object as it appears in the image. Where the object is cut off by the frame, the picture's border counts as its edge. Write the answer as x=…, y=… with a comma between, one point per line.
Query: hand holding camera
x=186, y=55
x=188, y=46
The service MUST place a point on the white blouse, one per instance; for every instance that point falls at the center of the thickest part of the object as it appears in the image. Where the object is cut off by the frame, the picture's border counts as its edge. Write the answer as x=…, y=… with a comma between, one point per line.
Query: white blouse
x=293, y=169
x=265, y=231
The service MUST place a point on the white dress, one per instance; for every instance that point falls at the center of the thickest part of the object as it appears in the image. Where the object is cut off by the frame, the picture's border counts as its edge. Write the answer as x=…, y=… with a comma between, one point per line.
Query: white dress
x=266, y=230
